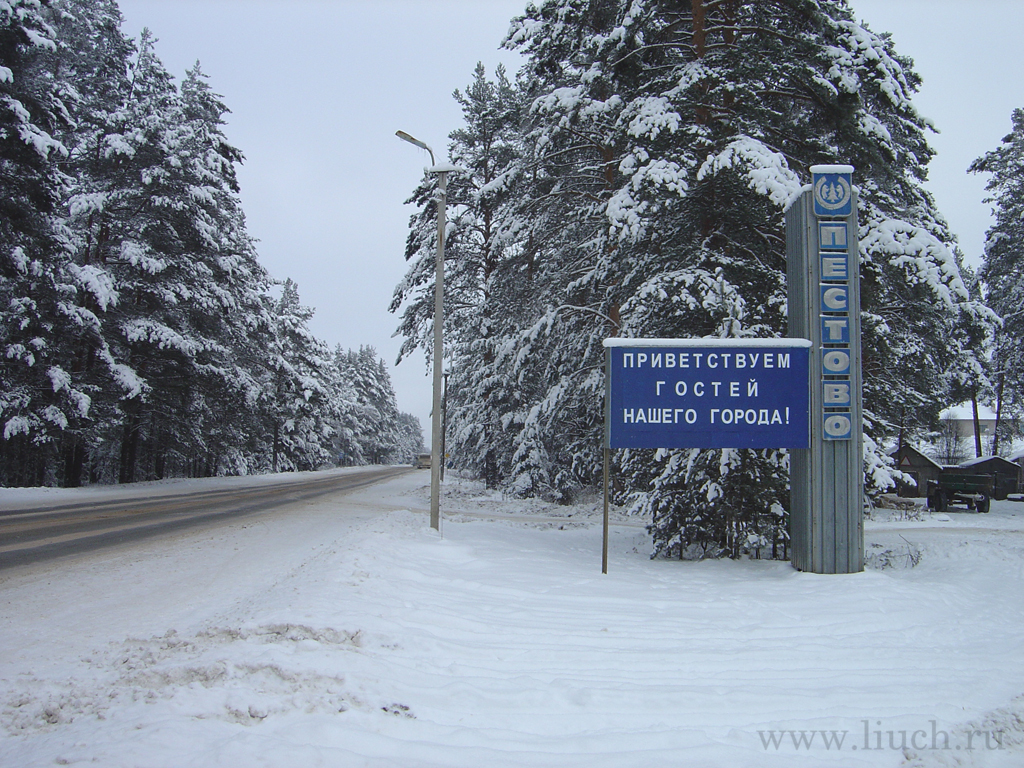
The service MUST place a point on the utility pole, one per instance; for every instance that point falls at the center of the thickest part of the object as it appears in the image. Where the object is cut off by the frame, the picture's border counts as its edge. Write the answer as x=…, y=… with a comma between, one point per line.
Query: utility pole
x=437, y=437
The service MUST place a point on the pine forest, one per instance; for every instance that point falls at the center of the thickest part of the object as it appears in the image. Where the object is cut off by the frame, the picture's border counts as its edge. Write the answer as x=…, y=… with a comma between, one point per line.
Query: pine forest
x=142, y=337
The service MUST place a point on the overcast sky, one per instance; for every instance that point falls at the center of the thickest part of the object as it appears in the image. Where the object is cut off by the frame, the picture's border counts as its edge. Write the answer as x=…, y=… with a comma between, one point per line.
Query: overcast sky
x=317, y=89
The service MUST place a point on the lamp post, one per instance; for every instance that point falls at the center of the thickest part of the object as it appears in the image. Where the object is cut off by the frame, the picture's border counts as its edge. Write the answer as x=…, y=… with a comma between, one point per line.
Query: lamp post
x=436, y=438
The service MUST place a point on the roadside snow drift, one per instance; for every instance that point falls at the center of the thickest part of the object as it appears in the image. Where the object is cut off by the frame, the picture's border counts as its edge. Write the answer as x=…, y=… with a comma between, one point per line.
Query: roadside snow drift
x=347, y=633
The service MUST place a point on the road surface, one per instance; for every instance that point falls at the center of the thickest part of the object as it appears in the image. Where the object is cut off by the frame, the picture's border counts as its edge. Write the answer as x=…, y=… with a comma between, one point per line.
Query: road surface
x=35, y=533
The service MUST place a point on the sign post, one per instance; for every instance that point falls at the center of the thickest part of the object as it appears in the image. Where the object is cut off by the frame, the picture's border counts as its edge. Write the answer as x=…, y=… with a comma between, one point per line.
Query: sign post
x=826, y=479
x=704, y=393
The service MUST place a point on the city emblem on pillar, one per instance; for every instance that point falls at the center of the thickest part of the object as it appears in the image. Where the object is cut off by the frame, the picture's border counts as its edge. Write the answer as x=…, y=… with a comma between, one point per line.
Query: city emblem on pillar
x=833, y=190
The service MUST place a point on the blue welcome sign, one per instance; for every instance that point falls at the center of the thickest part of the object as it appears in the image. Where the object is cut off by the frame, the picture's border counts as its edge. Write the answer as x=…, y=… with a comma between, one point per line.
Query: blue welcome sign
x=708, y=393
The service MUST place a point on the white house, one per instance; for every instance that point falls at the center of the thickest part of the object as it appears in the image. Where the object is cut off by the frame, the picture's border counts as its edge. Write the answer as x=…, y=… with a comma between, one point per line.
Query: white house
x=963, y=415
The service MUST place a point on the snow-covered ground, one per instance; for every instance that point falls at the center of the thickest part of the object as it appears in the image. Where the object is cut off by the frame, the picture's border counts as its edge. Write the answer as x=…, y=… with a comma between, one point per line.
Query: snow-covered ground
x=347, y=633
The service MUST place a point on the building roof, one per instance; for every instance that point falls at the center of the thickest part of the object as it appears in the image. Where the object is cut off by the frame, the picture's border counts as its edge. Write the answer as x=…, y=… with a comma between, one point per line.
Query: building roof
x=983, y=460
x=965, y=412
x=916, y=453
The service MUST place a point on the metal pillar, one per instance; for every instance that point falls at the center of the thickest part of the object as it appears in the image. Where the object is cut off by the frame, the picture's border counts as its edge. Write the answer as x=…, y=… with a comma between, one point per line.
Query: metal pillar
x=827, y=481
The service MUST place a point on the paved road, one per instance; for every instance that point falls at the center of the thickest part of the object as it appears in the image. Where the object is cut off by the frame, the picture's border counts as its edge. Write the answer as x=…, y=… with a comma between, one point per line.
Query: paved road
x=39, y=533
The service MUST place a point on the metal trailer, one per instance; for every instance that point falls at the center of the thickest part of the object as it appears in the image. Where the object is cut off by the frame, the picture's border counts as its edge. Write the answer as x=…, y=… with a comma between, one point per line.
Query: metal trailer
x=976, y=491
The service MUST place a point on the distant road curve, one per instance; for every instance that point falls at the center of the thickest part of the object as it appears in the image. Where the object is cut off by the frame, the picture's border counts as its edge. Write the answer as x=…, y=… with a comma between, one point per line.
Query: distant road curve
x=40, y=532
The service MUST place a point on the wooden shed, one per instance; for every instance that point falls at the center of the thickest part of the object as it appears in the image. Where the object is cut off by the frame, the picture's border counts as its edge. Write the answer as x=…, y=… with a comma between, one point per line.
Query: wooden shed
x=1008, y=474
x=920, y=467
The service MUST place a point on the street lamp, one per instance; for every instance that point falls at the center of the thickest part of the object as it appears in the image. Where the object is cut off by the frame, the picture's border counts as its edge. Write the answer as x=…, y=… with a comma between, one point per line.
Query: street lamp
x=436, y=438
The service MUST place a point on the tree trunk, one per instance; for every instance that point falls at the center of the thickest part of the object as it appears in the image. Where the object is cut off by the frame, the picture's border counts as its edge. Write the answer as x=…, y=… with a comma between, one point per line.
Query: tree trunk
x=977, y=427
x=276, y=431
x=699, y=35
x=129, y=449
x=74, y=460
x=159, y=460
x=999, y=413
x=490, y=469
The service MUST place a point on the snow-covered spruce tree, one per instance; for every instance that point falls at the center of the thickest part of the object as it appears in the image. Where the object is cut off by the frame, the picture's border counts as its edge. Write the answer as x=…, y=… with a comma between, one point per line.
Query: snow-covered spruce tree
x=477, y=309
x=667, y=141
x=369, y=431
x=39, y=398
x=410, y=440
x=574, y=267
x=89, y=69
x=348, y=427
x=162, y=216
x=381, y=395
x=1003, y=274
x=118, y=235
x=227, y=310
x=299, y=400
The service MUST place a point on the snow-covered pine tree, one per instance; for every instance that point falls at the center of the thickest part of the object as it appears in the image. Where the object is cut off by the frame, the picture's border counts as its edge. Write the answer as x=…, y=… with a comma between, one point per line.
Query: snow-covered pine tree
x=89, y=68
x=1003, y=274
x=121, y=169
